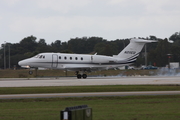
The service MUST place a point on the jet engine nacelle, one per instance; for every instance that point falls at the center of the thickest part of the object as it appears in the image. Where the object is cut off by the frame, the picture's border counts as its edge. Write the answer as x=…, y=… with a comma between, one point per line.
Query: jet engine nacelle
x=103, y=59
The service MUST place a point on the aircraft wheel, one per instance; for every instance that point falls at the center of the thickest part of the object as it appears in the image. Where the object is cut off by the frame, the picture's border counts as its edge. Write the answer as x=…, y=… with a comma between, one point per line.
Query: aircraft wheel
x=30, y=72
x=84, y=76
x=79, y=76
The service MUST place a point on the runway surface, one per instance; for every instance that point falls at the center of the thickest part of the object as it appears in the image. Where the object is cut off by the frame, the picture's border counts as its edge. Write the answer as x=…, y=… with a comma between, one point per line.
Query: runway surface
x=95, y=94
x=72, y=81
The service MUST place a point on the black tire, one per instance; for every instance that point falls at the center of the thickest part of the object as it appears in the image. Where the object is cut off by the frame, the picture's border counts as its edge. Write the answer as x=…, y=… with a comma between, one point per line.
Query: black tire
x=79, y=76
x=84, y=76
x=30, y=72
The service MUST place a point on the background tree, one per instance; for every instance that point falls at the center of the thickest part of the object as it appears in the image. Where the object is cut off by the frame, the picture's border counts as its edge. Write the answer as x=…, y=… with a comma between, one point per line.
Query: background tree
x=159, y=55
x=28, y=47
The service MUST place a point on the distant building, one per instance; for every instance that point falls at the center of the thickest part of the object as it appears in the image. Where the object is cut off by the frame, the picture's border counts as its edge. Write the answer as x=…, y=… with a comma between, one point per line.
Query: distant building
x=174, y=65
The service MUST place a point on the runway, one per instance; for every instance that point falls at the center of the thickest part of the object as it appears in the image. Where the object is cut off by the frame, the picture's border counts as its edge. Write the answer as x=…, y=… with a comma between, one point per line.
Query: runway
x=72, y=81
x=95, y=94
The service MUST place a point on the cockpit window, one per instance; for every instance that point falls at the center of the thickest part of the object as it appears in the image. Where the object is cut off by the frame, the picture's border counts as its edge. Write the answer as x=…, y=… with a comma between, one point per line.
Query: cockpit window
x=39, y=56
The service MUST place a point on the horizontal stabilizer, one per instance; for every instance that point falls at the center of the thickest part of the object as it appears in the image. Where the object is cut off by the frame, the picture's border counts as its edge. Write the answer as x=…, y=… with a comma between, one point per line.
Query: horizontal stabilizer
x=142, y=41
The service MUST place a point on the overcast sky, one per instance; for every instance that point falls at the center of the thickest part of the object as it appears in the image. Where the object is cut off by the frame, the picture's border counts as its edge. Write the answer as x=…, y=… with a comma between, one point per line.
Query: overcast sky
x=64, y=19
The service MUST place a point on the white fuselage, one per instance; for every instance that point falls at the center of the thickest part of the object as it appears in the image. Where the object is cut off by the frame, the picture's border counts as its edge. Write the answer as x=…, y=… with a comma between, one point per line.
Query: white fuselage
x=79, y=62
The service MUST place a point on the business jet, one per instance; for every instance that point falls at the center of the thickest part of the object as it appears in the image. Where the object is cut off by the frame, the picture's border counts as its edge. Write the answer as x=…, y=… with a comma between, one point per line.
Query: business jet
x=82, y=64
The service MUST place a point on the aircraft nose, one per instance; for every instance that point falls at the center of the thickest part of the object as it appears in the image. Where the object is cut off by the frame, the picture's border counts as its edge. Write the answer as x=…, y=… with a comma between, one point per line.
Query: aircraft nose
x=24, y=63
x=21, y=63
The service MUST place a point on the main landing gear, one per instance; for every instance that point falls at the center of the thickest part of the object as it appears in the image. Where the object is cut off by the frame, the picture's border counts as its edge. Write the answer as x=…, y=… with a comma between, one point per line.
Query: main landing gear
x=79, y=76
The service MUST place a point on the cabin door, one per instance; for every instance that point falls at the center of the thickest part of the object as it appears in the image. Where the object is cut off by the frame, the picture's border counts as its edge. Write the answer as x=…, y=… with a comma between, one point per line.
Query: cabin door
x=91, y=58
x=54, y=61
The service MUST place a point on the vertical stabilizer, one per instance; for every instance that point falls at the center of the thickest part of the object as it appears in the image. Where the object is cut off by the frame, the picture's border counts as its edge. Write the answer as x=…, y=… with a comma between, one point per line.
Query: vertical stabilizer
x=132, y=50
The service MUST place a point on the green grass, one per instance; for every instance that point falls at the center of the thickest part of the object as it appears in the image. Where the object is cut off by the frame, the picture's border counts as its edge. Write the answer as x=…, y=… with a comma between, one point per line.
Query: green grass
x=104, y=108
x=23, y=73
x=74, y=89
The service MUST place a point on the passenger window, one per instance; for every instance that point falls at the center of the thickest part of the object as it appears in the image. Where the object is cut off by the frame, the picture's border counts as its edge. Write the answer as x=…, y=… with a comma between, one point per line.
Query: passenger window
x=81, y=58
x=65, y=58
x=43, y=56
x=70, y=58
x=76, y=58
x=59, y=57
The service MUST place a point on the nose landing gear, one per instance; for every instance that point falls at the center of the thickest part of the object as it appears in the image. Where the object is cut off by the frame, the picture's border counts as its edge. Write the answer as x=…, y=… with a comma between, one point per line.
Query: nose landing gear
x=30, y=72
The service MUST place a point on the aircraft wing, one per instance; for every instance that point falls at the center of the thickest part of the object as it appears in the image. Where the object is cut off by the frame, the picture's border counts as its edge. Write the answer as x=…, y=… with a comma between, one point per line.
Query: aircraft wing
x=82, y=68
x=85, y=69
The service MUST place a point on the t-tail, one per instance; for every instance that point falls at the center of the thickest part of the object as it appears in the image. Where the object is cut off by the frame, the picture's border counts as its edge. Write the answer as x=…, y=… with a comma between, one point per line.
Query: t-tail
x=132, y=50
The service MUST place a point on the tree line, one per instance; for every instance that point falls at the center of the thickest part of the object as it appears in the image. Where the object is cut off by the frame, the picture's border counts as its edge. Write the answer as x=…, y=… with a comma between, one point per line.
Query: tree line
x=30, y=46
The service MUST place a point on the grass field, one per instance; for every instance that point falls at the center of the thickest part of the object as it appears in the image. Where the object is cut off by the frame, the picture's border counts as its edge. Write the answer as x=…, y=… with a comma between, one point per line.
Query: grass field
x=104, y=108
x=23, y=73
